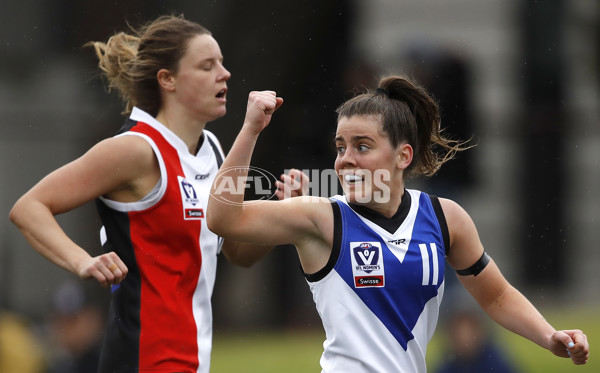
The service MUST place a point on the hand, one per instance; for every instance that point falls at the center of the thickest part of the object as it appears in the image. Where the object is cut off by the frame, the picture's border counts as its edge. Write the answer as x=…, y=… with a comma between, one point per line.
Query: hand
x=261, y=106
x=294, y=184
x=570, y=343
x=108, y=269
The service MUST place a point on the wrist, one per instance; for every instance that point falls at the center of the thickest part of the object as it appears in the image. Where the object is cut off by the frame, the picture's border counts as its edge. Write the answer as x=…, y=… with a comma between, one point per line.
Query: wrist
x=78, y=263
x=249, y=131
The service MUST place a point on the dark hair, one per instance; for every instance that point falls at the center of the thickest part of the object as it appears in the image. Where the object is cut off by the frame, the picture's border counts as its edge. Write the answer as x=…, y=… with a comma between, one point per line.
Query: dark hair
x=408, y=114
x=131, y=62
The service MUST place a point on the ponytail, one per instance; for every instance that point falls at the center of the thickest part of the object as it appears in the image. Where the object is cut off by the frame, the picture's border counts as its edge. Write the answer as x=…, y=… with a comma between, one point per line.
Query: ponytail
x=408, y=114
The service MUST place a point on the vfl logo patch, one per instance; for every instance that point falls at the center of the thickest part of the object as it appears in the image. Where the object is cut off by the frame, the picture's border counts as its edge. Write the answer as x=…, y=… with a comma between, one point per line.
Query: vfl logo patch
x=189, y=200
x=367, y=264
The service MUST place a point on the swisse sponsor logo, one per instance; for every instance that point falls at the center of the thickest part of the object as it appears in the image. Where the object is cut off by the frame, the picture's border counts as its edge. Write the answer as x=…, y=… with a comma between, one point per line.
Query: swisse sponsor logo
x=194, y=213
x=369, y=281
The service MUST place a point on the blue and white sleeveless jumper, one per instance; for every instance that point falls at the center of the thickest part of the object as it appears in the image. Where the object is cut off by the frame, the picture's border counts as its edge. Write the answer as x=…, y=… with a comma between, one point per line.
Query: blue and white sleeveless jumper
x=380, y=292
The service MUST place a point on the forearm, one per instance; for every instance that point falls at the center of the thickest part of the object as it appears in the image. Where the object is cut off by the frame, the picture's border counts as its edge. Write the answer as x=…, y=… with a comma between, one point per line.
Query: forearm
x=42, y=231
x=225, y=204
x=507, y=306
x=241, y=151
x=514, y=312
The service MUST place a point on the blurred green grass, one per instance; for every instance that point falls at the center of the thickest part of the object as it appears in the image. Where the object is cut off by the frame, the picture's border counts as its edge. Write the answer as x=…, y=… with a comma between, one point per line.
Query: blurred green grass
x=264, y=352
x=298, y=351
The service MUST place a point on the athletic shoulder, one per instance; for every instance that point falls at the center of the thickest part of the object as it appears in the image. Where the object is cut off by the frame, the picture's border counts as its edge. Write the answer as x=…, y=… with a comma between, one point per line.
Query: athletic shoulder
x=453, y=211
x=128, y=163
x=134, y=150
x=465, y=245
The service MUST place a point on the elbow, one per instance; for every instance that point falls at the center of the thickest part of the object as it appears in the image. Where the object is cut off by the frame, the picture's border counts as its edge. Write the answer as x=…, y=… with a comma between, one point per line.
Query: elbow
x=241, y=261
x=241, y=254
x=216, y=225
x=15, y=213
x=224, y=220
x=24, y=212
x=245, y=263
x=219, y=220
x=212, y=224
x=225, y=227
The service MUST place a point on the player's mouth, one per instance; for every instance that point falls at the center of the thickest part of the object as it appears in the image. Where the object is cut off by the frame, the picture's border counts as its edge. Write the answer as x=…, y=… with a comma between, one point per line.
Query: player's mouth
x=222, y=95
x=353, y=179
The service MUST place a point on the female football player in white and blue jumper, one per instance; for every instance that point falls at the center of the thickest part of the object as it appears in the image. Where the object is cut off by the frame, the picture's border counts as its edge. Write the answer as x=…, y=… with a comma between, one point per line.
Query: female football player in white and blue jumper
x=374, y=258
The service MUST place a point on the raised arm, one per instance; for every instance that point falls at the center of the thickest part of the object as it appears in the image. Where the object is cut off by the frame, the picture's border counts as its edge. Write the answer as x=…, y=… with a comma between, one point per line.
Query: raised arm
x=500, y=300
x=293, y=184
x=306, y=222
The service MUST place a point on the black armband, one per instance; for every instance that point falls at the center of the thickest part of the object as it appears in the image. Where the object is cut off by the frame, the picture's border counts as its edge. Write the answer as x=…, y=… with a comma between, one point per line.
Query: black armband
x=477, y=267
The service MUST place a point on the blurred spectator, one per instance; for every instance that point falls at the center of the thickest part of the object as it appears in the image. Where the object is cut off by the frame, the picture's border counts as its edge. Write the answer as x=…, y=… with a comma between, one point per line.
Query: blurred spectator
x=20, y=351
x=76, y=331
x=470, y=346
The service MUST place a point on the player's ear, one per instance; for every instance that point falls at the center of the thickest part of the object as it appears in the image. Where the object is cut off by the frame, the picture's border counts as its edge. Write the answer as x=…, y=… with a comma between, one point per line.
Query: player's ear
x=404, y=155
x=166, y=79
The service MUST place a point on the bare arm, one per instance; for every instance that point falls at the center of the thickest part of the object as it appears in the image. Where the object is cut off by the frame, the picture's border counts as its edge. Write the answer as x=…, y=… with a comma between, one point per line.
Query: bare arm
x=293, y=184
x=303, y=221
x=117, y=167
x=500, y=300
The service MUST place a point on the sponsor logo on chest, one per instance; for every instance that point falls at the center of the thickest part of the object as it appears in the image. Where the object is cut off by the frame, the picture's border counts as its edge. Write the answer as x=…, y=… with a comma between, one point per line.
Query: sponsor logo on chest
x=367, y=264
x=189, y=200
